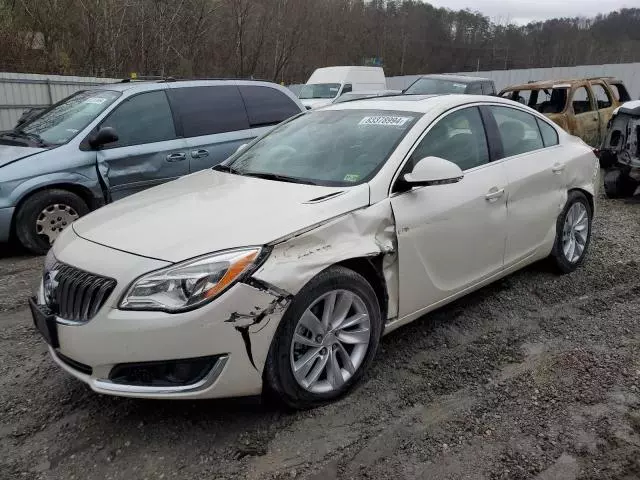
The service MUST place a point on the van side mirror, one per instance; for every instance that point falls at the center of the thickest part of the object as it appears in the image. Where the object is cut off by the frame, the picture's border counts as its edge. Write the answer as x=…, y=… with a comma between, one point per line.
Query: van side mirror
x=104, y=136
x=433, y=171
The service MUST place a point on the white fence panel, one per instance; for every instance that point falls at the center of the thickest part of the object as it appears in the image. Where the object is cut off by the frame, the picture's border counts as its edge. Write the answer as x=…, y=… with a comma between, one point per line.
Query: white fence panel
x=20, y=92
x=629, y=73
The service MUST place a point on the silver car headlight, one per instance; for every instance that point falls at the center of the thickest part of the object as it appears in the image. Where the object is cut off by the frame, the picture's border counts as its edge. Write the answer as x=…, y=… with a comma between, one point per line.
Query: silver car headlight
x=191, y=284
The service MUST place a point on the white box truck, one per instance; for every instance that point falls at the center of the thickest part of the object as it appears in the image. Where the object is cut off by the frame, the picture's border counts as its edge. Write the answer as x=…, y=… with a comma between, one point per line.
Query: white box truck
x=327, y=83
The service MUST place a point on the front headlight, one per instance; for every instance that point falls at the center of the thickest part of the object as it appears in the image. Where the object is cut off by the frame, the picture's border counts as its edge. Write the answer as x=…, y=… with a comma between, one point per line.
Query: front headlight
x=191, y=284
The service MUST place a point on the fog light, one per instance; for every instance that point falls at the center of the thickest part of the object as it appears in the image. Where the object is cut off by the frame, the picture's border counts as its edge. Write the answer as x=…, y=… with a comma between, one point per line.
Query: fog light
x=166, y=373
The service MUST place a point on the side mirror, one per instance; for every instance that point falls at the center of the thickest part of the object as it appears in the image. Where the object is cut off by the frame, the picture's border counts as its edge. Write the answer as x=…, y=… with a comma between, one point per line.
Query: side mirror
x=104, y=136
x=241, y=147
x=433, y=171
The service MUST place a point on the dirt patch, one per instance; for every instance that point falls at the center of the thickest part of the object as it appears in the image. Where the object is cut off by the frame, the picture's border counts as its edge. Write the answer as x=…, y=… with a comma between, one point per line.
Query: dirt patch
x=534, y=377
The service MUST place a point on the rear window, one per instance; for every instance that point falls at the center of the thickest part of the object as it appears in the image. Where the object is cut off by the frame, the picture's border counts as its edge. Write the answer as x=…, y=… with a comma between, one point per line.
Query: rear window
x=266, y=105
x=620, y=92
x=209, y=110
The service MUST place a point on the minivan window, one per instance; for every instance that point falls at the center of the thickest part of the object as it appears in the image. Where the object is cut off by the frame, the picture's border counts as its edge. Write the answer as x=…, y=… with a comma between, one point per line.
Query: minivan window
x=209, y=109
x=474, y=89
x=331, y=147
x=320, y=90
x=64, y=120
x=144, y=118
x=266, y=105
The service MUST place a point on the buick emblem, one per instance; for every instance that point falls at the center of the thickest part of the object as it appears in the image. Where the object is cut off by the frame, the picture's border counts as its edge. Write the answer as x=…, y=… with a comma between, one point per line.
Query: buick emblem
x=49, y=285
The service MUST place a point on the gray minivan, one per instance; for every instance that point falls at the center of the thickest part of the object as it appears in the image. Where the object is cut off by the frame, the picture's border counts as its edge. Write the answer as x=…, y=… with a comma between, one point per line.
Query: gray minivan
x=107, y=142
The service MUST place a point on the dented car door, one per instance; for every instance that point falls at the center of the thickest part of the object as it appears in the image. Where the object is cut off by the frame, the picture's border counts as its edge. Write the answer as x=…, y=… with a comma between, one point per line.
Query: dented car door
x=147, y=152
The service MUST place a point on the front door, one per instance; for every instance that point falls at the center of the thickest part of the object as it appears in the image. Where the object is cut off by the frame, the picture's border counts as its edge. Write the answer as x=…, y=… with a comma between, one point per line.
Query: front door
x=147, y=152
x=586, y=116
x=451, y=237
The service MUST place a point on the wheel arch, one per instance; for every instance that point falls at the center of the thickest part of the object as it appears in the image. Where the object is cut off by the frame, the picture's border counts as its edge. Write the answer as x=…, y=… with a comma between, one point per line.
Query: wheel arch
x=371, y=269
x=588, y=194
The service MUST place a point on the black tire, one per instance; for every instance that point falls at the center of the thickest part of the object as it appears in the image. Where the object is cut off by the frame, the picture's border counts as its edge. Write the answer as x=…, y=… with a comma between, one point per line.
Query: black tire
x=31, y=208
x=279, y=381
x=617, y=184
x=607, y=159
x=557, y=257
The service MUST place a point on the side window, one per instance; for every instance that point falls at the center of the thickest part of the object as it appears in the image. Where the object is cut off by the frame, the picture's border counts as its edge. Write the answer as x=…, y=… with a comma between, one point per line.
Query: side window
x=620, y=91
x=549, y=134
x=459, y=137
x=347, y=88
x=209, y=109
x=488, y=89
x=602, y=96
x=145, y=118
x=518, y=130
x=266, y=105
x=581, y=101
x=474, y=88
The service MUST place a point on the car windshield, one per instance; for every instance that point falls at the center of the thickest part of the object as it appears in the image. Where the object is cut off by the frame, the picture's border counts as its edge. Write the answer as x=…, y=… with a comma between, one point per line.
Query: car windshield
x=66, y=119
x=319, y=90
x=327, y=147
x=435, y=86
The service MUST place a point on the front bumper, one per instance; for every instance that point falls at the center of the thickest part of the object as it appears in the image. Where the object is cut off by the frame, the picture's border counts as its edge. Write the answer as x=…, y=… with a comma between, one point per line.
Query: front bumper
x=237, y=328
x=6, y=216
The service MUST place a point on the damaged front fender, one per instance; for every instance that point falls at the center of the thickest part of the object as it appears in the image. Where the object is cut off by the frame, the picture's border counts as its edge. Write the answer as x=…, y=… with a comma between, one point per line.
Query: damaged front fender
x=365, y=233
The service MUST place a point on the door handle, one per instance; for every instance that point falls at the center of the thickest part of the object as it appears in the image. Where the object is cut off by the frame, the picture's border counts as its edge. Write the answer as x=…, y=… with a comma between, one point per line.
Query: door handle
x=199, y=153
x=176, y=157
x=494, y=194
x=558, y=168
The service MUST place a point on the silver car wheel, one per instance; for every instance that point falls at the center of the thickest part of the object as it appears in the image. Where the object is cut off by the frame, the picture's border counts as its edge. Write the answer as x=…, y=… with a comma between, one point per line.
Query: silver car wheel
x=575, y=232
x=330, y=341
x=53, y=219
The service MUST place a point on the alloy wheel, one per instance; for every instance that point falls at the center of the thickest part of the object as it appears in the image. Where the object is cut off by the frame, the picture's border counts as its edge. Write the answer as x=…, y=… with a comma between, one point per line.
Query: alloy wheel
x=575, y=232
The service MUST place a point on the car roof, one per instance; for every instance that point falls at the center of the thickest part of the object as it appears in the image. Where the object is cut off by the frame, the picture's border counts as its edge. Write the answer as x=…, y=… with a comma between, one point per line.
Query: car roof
x=457, y=78
x=145, y=85
x=417, y=103
x=560, y=83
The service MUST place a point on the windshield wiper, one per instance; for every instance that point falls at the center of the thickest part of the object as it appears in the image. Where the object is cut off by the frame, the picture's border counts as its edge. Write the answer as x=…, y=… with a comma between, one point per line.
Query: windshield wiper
x=279, y=178
x=31, y=136
x=226, y=168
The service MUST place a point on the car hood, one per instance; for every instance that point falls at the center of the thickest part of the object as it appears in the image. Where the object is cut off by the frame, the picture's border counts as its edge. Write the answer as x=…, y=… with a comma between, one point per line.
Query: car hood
x=211, y=211
x=10, y=153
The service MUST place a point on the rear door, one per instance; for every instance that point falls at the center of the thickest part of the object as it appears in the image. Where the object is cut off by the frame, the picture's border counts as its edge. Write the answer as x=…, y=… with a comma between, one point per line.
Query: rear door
x=586, y=115
x=148, y=151
x=606, y=105
x=213, y=121
x=533, y=164
x=266, y=107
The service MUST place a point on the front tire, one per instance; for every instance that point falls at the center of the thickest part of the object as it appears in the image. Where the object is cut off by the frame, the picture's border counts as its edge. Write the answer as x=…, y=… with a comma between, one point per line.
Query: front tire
x=573, y=233
x=326, y=340
x=43, y=215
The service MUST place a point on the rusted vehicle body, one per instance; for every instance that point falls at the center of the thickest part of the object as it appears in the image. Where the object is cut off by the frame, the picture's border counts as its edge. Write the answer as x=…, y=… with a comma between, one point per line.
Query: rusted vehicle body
x=582, y=107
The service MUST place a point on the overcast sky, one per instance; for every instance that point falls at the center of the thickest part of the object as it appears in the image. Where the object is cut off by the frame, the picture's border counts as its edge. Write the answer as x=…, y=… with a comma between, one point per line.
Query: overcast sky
x=524, y=11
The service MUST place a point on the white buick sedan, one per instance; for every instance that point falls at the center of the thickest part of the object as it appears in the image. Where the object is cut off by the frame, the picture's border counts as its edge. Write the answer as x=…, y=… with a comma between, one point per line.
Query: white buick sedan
x=279, y=270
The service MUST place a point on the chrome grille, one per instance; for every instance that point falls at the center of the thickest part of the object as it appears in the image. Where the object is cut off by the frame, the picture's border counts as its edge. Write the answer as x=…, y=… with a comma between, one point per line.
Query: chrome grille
x=73, y=294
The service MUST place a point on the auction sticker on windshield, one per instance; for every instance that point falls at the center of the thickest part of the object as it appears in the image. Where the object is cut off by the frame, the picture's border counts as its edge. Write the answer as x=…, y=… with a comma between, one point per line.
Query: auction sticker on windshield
x=387, y=120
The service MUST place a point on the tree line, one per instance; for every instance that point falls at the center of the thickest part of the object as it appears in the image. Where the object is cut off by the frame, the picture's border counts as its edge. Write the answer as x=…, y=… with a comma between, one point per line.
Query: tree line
x=285, y=40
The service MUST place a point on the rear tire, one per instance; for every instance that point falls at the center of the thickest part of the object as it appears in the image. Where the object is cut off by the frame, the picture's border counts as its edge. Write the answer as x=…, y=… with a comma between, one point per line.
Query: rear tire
x=319, y=383
x=31, y=217
x=617, y=184
x=570, y=230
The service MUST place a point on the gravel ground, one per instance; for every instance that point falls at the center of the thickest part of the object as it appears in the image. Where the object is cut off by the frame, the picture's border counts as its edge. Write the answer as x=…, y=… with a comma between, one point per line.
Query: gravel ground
x=536, y=376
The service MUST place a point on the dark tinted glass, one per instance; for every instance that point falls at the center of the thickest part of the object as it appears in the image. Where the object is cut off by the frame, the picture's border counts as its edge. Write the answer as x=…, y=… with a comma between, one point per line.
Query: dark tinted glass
x=549, y=135
x=208, y=110
x=474, y=89
x=347, y=88
x=266, y=105
x=488, y=89
x=145, y=118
